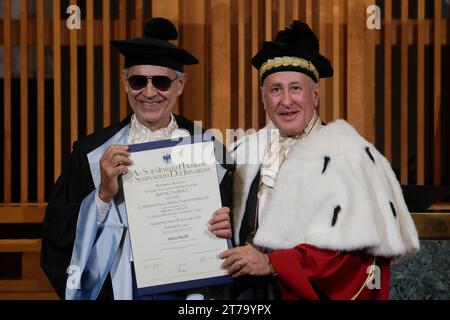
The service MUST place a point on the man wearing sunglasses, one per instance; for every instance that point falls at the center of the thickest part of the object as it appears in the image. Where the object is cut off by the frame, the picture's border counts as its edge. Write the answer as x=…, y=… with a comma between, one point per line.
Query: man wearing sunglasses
x=86, y=251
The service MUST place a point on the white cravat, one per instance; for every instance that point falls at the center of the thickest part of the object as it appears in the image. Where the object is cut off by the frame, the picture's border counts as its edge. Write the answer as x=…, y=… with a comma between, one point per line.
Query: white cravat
x=274, y=156
x=139, y=133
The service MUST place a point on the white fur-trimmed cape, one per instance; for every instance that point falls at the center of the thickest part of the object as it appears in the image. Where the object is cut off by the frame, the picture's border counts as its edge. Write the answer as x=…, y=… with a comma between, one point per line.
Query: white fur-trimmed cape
x=335, y=191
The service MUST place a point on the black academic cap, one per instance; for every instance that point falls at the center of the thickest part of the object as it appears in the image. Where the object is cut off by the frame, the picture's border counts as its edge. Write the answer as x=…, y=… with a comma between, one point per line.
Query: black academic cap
x=295, y=48
x=420, y=198
x=154, y=48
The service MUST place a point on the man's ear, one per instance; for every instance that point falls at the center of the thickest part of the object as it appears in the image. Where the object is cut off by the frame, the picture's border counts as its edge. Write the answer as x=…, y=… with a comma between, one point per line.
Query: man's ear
x=181, y=82
x=124, y=81
x=316, y=94
x=263, y=97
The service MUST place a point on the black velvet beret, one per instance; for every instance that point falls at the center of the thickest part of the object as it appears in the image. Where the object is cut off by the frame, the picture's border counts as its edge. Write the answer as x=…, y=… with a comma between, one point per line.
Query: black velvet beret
x=295, y=48
x=154, y=48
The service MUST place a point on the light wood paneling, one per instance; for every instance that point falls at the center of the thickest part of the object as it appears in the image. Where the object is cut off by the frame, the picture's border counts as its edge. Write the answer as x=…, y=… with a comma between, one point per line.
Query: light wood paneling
x=308, y=11
x=170, y=9
x=282, y=15
x=257, y=30
x=20, y=245
x=370, y=65
x=268, y=21
x=73, y=82
x=90, y=84
x=336, y=61
x=437, y=96
x=23, y=101
x=421, y=93
x=122, y=35
x=388, y=31
x=295, y=9
x=57, y=111
x=21, y=213
x=242, y=64
x=40, y=59
x=139, y=21
x=220, y=64
x=223, y=90
x=7, y=101
x=106, y=31
x=65, y=38
x=404, y=94
x=325, y=17
x=356, y=77
x=193, y=35
x=432, y=226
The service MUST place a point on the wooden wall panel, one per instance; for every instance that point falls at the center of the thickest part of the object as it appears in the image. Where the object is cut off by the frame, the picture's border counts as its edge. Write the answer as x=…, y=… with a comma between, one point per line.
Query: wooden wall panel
x=106, y=54
x=370, y=69
x=7, y=101
x=193, y=37
x=169, y=9
x=282, y=15
x=356, y=76
x=325, y=36
x=421, y=93
x=23, y=101
x=404, y=94
x=73, y=82
x=90, y=84
x=387, y=99
x=308, y=11
x=223, y=90
x=122, y=32
x=220, y=75
x=336, y=61
x=258, y=35
x=40, y=52
x=437, y=96
x=242, y=64
x=57, y=123
x=139, y=21
x=268, y=20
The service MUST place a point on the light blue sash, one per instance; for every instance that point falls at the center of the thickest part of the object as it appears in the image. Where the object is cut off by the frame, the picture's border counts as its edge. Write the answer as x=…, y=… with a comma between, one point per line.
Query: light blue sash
x=95, y=247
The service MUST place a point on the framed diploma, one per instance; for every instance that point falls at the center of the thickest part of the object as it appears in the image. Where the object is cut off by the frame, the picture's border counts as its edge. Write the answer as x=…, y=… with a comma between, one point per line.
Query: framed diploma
x=171, y=192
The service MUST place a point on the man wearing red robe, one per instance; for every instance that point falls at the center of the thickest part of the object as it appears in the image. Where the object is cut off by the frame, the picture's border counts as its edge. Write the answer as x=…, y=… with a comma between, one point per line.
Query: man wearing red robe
x=318, y=212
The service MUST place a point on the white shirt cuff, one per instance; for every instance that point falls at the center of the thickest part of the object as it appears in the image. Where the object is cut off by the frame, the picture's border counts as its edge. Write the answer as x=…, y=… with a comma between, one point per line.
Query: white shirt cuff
x=102, y=208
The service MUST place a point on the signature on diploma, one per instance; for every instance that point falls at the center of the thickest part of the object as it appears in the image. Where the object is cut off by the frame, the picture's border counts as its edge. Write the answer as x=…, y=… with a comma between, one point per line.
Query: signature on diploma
x=209, y=257
x=178, y=237
x=182, y=268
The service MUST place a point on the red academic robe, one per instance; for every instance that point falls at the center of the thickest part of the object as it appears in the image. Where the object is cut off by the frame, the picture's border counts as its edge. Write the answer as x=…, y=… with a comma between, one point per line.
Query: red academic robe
x=339, y=275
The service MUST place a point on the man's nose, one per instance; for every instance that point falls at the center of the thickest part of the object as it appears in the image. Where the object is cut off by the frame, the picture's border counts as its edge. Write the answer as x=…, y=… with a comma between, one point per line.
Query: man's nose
x=287, y=98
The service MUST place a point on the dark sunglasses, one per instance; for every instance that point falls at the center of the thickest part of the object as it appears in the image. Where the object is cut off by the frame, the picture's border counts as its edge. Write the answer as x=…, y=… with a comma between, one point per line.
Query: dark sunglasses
x=161, y=83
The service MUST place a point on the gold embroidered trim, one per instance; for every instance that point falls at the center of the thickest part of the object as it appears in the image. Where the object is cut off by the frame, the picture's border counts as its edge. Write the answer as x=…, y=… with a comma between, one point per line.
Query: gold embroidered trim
x=370, y=277
x=288, y=61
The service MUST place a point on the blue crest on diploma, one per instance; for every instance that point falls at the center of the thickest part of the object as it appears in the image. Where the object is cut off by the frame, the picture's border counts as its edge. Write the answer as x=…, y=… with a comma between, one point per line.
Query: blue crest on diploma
x=167, y=158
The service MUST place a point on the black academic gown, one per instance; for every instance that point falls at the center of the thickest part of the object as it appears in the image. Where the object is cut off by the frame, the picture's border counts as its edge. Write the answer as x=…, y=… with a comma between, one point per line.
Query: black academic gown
x=72, y=186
